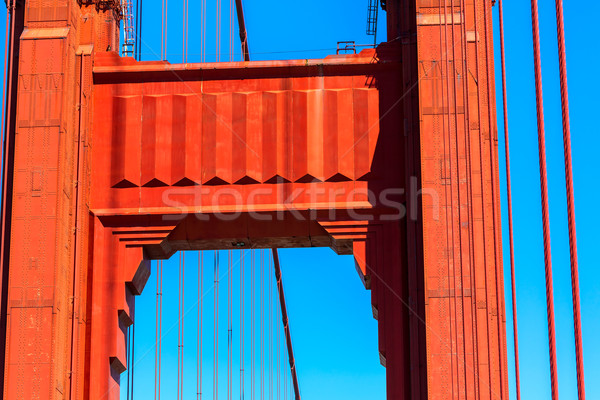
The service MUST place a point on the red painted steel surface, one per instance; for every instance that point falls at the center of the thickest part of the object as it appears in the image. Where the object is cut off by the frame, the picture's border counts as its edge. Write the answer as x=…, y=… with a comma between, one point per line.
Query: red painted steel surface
x=118, y=162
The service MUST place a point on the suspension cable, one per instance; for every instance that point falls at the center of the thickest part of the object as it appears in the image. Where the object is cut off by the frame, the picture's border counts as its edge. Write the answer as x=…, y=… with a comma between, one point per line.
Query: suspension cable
x=564, y=97
x=158, y=351
x=262, y=324
x=132, y=364
x=218, y=27
x=128, y=360
x=186, y=30
x=270, y=287
x=509, y=201
x=253, y=325
x=488, y=384
x=229, y=326
x=215, y=328
x=286, y=325
x=242, y=322
x=242, y=30
x=544, y=193
x=199, y=327
x=139, y=31
x=180, y=328
x=137, y=24
x=470, y=201
x=495, y=206
x=277, y=347
x=452, y=100
x=203, y=31
x=163, y=48
x=231, y=56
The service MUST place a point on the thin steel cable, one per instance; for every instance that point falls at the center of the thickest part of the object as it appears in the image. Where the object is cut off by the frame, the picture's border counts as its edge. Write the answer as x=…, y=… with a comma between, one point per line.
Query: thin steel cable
x=564, y=97
x=262, y=325
x=158, y=353
x=215, y=328
x=495, y=206
x=231, y=31
x=137, y=24
x=218, y=33
x=229, y=326
x=132, y=359
x=203, y=31
x=277, y=347
x=199, y=326
x=139, y=31
x=164, y=28
x=470, y=201
x=488, y=384
x=270, y=288
x=185, y=29
x=449, y=214
x=544, y=194
x=179, y=297
x=509, y=202
x=242, y=327
x=128, y=361
x=459, y=311
x=253, y=325
x=4, y=98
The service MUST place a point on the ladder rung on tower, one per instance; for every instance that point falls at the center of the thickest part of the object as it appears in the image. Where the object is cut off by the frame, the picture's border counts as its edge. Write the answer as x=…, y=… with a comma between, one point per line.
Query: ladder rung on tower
x=372, y=17
x=128, y=28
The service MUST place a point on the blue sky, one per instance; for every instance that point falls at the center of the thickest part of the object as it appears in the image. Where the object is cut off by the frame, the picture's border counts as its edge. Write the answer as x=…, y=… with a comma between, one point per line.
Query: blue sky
x=335, y=336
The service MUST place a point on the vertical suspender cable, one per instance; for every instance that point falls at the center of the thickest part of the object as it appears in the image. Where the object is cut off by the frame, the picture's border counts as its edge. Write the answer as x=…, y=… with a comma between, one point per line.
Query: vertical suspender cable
x=447, y=170
x=163, y=47
x=285, y=370
x=270, y=331
x=564, y=96
x=132, y=365
x=5, y=69
x=253, y=324
x=199, y=335
x=488, y=384
x=139, y=31
x=182, y=314
x=6, y=202
x=229, y=326
x=128, y=350
x=262, y=324
x=495, y=206
x=544, y=191
x=277, y=356
x=158, y=356
x=216, y=329
x=231, y=30
x=137, y=24
x=457, y=264
x=509, y=201
x=470, y=202
x=183, y=30
x=203, y=31
x=218, y=28
x=242, y=385
x=179, y=327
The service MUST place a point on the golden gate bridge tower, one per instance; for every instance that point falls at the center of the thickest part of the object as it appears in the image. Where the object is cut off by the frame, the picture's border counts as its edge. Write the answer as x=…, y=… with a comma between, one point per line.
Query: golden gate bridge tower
x=112, y=164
